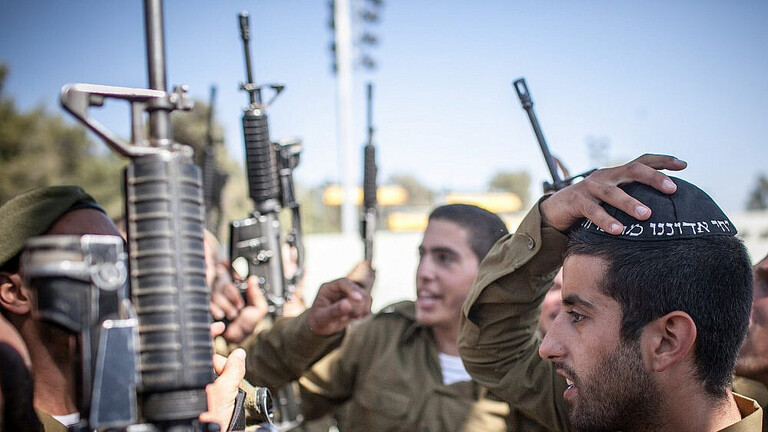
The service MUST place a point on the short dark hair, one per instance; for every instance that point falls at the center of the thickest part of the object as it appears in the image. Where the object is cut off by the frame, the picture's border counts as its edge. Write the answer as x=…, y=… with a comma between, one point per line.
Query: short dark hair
x=709, y=278
x=12, y=265
x=483, y=227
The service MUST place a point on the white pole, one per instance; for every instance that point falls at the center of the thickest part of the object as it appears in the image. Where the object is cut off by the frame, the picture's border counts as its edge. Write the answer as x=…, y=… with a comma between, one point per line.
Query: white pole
x=342, y=18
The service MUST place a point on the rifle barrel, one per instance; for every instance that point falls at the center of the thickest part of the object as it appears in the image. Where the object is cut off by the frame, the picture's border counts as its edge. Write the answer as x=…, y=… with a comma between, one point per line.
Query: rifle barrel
x=159, y=119
x=254, y=95
x=370, y=113
x=527, y=102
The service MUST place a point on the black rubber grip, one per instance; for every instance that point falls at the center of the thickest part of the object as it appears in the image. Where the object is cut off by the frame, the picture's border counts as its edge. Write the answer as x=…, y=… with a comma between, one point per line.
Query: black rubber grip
x=261, y=160
x=369, y=177
x=164, y=206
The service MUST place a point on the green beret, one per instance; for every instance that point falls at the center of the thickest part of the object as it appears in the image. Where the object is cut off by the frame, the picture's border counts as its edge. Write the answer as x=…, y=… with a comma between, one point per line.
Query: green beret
x=34, y=212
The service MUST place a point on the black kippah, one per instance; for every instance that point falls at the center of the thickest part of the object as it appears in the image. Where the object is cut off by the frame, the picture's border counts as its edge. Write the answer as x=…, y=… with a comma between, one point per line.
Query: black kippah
x=687, y=213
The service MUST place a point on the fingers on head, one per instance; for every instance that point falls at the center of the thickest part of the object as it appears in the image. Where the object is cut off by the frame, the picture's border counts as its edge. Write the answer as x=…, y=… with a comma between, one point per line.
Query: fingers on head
x=660, y=161
x=644, y=169
x=626, y=203
x=597, y=214
x=650, y=176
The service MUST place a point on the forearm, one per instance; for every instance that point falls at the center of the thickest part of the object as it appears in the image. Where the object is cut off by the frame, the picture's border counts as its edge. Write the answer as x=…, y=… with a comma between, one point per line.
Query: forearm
x=498, y=340
x=282, y=353
x=324, y=386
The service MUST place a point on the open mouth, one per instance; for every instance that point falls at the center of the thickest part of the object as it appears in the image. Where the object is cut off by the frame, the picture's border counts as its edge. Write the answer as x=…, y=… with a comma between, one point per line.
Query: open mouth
x=426, y=299
x=570, y=391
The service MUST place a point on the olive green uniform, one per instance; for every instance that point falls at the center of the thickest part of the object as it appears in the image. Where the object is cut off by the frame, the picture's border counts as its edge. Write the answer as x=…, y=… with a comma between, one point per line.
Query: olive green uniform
x=49, y=423
x=498, y=340
x=387, y=374
x=754, y=390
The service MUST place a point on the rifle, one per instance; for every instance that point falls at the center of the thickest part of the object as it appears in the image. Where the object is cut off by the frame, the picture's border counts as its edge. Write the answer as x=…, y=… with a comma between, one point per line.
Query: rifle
x=162, y=333
x=369, y=214
x=256, y=242
x=553, y=164
x=214, y=179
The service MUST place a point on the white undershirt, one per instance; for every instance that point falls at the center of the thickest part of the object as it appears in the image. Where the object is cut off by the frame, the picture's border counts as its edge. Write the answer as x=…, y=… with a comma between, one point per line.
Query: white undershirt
x=453, y=369
x=68, y=419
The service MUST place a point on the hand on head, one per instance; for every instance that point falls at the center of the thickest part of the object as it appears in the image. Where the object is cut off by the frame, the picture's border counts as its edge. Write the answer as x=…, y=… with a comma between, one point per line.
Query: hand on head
x=336, y=305
x=582, y=200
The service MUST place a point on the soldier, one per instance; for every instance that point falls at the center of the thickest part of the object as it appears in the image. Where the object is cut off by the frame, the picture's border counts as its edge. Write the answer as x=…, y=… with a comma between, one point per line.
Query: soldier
x=656, y=298
x=68, y=210
x=752, y=363
x=399, y=369
x=550, y=307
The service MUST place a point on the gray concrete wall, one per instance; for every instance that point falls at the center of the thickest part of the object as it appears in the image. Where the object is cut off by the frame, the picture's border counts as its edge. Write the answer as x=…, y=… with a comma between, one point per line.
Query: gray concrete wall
x=395, y=257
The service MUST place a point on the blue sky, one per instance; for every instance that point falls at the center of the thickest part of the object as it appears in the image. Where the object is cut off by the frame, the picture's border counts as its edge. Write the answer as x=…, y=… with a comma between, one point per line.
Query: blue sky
x=688, y=78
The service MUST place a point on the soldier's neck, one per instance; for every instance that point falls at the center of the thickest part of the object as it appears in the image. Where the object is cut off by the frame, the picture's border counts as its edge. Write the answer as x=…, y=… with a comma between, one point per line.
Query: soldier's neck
x=688, y=408
x=447, y=339
x=54, y=377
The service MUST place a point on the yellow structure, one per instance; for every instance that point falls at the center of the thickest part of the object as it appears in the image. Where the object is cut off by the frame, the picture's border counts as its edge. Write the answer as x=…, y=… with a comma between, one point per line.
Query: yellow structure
x=407, y=221
x=497, y=202
x=505, y=204
x=386, y=195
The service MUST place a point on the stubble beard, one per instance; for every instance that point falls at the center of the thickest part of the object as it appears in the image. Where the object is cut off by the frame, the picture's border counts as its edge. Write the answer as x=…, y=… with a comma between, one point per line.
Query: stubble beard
x=619, y=395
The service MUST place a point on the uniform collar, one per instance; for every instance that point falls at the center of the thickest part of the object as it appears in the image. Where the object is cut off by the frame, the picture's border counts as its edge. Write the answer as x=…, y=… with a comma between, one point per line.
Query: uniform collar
x=751, y=415
x=407, y=310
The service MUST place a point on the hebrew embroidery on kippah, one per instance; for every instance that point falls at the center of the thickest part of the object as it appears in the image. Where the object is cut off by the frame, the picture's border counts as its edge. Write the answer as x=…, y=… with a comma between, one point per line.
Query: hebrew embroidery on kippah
x=687, y=213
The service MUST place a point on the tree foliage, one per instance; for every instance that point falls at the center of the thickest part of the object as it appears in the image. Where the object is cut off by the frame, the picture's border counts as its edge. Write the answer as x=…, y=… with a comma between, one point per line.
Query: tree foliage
x=758, y=197
x=41, y=149
x=517, y=182
x=191, y=128
x=316, y=216
x=418, y=193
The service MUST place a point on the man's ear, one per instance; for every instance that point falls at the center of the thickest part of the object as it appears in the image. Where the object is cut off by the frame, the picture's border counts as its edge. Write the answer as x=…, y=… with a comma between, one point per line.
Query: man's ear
x=668, y=340
x=13, y=296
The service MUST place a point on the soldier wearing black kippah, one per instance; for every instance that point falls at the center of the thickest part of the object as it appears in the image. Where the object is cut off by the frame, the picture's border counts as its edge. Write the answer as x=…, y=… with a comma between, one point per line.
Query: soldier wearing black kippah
x=656, y=298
